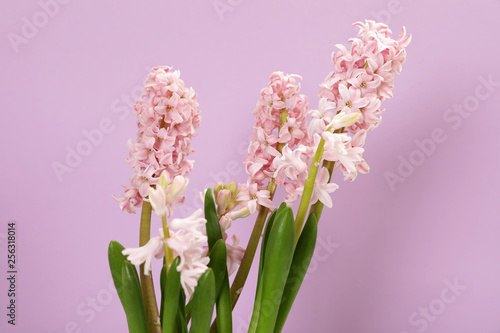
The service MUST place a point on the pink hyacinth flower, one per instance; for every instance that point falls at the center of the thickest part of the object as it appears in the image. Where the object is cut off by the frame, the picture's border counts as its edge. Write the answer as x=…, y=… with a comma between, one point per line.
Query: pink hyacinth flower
x=250, y=196
x=187, y=244
x=290, y=164
x=350, y=99
x=322, y=188
x=144, y=254
x=234, y=254
x=338, y=148
x=167, y=118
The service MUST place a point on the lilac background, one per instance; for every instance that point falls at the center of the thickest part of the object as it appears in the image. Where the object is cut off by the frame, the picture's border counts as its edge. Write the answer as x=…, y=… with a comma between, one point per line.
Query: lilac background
x=393, y=248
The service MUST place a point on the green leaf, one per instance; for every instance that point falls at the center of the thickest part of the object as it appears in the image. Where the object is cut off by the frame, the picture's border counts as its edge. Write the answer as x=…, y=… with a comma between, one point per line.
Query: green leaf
x=181, y=314
x=301, y=259
x=163, y=280
x=189, y=305
x=203, y=303
x=132, y=299
x=277, y=260
x=172, y=295
x=267, y=230
x=213, y=227
x=218, y=263
x=224, y=308
x=258, y=294
x=116, y=258
x=127, y=285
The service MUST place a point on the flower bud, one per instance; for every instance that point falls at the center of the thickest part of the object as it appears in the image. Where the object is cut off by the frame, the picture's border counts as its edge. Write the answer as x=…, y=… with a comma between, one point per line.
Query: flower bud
x=233, y=187
x=178, y=186
x=223, y=199
x=158, y=200
x=240, y=213
x=219, y=186
x=225, y=223
x=344, y=120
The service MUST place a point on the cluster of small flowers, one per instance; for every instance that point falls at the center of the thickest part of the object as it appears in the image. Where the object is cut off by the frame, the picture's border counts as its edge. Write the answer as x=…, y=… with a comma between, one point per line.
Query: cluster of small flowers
x=362, y=79
x=280, y=121
x=350, y=100
x=186, y=243
x=167, y=117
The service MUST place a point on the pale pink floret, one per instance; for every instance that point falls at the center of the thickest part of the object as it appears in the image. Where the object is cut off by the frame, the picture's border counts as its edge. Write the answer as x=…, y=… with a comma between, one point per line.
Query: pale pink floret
x=365, y=82
x=291, y=164
x=144, y=254
x=338, y=148
x=292, y=193
x=143, y=178
x=360, y=166
x=130, y=199
x=234, y=254
x=290, y=131
x=358, y=139
x=225, y=222
x=322, y=189
x=321, y=117
x=250, y=196
x=350, y=99
x=192, y=222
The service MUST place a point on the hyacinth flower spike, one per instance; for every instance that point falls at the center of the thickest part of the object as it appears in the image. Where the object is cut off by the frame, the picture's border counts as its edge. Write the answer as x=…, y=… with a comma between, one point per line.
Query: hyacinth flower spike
x=292, y=147
x=167, y=118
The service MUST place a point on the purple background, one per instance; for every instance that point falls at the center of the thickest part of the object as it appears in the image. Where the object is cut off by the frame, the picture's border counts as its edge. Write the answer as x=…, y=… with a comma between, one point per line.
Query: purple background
x=394, y=249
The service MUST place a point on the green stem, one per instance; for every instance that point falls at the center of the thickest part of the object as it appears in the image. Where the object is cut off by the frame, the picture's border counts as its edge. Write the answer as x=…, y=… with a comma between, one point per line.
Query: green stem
x=148, y=291
x=283, y=118
x=317, y=208
x=308, y=189
x=169, y=254
x=246, y=262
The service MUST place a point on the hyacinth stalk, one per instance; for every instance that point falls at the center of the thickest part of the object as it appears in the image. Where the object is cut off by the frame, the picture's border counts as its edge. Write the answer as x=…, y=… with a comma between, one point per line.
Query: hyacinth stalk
x=311, y=177
x=148, y=289
x=361, y=80
x=253, y=242
x=167, y=117
x=169, y=254
x=317, y=207
x=308, y=188
x=394, y=54
x=280, y=89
